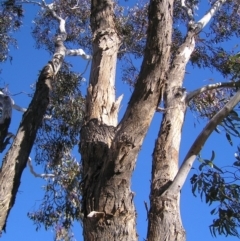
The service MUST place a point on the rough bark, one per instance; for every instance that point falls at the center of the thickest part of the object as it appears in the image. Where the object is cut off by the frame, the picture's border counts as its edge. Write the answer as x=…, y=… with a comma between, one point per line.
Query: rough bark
x=164, y=214
x=108, y=152
x=5, y=120
x=16, y=158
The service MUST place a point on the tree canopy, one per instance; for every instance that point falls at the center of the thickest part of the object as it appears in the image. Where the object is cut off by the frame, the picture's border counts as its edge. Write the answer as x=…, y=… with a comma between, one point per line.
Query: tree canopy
x=152, y=43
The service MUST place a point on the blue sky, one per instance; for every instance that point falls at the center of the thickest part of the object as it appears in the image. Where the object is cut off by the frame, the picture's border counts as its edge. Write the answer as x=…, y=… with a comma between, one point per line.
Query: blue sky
x=23, y=72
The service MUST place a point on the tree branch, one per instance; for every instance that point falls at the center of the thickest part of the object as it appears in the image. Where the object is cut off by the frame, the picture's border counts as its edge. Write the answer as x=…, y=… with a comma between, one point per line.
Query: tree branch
x=188, y=10
x=32, y=2
x=44, y=175
x=19, y=108
x=182, y=174
x=208, y=16
x=78, y=52
x=17, y=156
x=196, y=92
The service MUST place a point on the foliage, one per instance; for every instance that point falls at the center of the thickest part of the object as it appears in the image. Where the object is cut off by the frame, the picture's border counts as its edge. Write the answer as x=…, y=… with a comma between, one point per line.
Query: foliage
x=77, y=25
x=56, y=138
x=222, y=188
x=10, y=21
x=206, y=104
x=59, y=134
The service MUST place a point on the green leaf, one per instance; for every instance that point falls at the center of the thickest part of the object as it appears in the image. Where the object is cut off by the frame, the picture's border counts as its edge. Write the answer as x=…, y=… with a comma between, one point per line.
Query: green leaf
x=207, y=199
x=229, y=139
x=194, y=188
x=217, y=130
x=212, y=212
x=217, y=168
x=237, y=163
x=201, y=166
x=213, y=156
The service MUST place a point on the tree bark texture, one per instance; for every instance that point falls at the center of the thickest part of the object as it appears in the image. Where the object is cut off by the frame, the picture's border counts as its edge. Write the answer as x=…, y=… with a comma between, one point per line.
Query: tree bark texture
x=5, y=120
x=109, y=151
x=164, y=214
x=16, y=158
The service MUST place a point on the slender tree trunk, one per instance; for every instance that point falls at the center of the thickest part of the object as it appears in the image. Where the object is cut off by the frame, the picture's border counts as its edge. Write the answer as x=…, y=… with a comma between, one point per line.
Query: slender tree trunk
x=109, y=153
x=164, y=214
x=16, y=158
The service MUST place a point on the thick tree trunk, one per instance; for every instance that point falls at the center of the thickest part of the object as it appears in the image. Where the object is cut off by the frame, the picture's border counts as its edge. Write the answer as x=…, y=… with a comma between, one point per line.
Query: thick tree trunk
x=16, y=158
x=109, y=153
x=164, y=214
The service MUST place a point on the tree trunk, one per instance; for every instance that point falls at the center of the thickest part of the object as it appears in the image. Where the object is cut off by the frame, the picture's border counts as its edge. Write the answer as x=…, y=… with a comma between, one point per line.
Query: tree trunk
x=164, y=214
x=5, y=120
x=16, y=158
x=109, y=153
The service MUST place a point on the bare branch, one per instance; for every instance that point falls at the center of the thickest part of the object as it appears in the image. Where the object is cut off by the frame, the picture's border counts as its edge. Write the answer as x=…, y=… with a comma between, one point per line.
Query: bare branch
x=78, y=52
x=196, y=92
x=76, y=5
x=19, y=108
x=95, y=214
x=50, y=8
x=208, y=16
x=32, y=2
x=188, y=9
x=44, y=175
x=182, y=174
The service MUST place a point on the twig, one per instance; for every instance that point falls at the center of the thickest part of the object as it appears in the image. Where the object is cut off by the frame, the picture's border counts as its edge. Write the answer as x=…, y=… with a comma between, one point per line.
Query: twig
x=78, y=52
x=44, y=175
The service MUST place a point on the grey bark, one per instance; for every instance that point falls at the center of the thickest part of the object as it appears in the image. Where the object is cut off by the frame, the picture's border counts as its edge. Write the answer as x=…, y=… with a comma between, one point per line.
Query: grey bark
x=109, y=152
x=164, y=214
x=16, y=158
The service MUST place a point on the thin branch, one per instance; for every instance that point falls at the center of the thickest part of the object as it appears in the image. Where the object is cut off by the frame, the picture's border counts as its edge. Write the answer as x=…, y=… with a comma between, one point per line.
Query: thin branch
x=196, y=92
x=85, y=68
x=32, y=2
x=182, y=174
x=208, y=16
x=78, y=52
x=43, y=175
x=19, y=108
x=76, y=5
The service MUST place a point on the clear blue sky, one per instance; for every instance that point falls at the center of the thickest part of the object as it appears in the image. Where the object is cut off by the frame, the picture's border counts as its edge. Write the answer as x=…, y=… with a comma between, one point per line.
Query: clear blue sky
x=23, y=71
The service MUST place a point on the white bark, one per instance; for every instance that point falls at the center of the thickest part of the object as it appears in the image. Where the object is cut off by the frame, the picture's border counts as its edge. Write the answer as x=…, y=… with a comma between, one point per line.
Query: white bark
x=182, y=174
x=196, y=92
x=43, y=175
x=78, y=52
x=208, y=16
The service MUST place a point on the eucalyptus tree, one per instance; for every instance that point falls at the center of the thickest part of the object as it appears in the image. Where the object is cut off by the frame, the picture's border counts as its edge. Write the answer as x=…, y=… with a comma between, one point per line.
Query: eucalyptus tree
x=167, y=36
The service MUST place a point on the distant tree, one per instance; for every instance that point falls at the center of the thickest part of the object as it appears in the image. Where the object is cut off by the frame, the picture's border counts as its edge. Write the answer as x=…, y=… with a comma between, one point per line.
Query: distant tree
x=166, y=35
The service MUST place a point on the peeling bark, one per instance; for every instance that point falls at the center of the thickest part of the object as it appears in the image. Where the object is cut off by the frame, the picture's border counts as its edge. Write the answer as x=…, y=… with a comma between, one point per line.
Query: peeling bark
x=109, y=151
